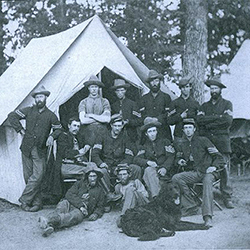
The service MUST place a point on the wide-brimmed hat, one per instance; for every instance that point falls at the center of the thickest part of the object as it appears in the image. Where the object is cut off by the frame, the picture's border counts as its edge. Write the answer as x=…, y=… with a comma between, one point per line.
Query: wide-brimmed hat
x=40, y=90
x=92, y=167
x=116, y=118
x=153, y=74
x=188, y=121
x=184, y=81
x=120, y=83
x=122, y=166
x=150, y=122
x=215, y=80
x=93, y=80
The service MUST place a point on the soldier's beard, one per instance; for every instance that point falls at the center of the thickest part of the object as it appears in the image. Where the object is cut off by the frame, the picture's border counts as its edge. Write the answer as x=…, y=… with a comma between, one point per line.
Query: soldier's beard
x=215, y=96
x=155, y=89
x=40, y=104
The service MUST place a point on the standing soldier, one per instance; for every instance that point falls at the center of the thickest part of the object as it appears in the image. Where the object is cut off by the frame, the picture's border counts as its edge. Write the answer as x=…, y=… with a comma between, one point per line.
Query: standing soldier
x=39, y=121
x=156, y=103
x=94, y=111
x=183, y=107
x=126, y=108
x=214, y=121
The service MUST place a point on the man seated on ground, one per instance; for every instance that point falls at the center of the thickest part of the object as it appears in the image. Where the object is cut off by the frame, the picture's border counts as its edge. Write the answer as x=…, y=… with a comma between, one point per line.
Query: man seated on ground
x=201, y=162
x=155, y=156
x=113, y=148
x=71, y=151
x=84, y=199
x=133, y=192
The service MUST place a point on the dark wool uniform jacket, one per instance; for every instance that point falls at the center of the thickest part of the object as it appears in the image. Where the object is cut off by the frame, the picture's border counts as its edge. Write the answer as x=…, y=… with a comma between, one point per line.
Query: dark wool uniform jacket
x=216, y=122
x=197, y=149
x=159, y=151
x=130, y=112
x=157, y=107
x=65, y=145
x=38, y=126
x=95, y=203
x=178, y=106
x=112, y=151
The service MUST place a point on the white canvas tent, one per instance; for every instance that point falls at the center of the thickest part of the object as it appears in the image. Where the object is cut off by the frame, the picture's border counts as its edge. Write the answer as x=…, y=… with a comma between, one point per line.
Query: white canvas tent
x=62, y=63
x=238, y=82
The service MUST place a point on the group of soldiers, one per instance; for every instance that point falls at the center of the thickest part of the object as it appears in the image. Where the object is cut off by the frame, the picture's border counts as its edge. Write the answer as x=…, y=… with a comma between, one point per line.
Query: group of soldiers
x=124, y=152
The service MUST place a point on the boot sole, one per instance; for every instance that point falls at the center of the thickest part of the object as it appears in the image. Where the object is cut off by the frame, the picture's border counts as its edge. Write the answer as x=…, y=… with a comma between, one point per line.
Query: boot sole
x=48, y=231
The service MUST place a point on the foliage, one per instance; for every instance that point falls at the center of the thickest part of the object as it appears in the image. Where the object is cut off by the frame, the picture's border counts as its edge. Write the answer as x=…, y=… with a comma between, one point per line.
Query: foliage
x=228, y=27
x=152, y=29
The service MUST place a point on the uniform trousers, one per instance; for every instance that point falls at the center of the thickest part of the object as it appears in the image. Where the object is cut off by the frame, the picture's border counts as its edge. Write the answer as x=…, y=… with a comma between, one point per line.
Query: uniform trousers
x=225, y=185
x=33, y=172
x=133, y=198
x=152, y=181
x=184, y=179
x=69, y=215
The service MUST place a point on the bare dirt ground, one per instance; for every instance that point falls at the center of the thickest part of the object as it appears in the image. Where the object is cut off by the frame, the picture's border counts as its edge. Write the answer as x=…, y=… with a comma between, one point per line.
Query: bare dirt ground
x=231, y=230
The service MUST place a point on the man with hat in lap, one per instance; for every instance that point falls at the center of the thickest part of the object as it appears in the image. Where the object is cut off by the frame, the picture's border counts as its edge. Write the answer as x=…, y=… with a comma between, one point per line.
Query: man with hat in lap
x=133, y=191
x=94, y=111
x=127, y=108
x=113, y=148
x=156, y=103
x=84, y=199
x=214, y=122
x=155, y=156
x=39, y=122
x=200, y=161
x=182, y=107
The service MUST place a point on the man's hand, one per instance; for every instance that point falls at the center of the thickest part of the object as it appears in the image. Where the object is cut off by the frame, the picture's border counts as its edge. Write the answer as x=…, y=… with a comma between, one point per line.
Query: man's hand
x=200, y=113
x=104, y=165
x=152, y=164
x=84, y=150
x=22, y=132
x=184, y=114
x=93, y=217
x=85, y=196
x=50, y=141
x=84, y=211
x=182, y=162
x=125, y=122
x=162, y=171
x=210, y=170
x=212, y=150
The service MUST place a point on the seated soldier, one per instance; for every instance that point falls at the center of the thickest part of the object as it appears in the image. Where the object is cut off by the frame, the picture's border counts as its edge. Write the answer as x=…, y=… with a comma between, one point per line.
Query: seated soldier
x=200, y=161
x=71, y=151
x=84, y=199
x=133, y=192
x=113, y=148
x=156, y=156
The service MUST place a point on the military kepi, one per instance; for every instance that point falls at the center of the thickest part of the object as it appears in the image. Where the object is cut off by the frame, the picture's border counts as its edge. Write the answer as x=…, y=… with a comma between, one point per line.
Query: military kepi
x=40, y=90
x=188, y=121
x=215, y=80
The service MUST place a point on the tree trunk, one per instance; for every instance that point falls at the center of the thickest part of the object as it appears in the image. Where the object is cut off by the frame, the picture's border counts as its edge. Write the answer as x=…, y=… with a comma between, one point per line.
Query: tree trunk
x=195, y=48
x=2, y=58
x=62, y=14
